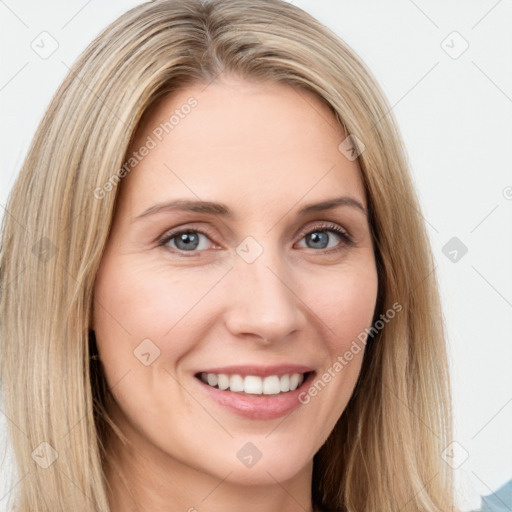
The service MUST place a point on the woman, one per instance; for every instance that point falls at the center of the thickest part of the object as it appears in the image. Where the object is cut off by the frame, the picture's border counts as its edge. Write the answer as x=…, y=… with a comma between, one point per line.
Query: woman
x=217, y=290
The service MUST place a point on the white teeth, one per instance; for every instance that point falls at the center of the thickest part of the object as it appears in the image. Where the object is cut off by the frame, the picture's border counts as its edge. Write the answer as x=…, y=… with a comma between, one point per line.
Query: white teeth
x=271, y=385
x=223, y=381
x=253, y=384
x=285, y=383
x=236, y=383
x=294, y=381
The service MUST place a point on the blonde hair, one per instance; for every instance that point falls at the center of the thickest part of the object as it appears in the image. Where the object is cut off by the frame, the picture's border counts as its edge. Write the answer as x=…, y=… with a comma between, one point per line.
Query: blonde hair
x=385, y=451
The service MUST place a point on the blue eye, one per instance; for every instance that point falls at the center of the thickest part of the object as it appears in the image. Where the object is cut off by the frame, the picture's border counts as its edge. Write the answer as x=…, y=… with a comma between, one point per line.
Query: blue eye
x=319, y=236
x=189, y=241
x=186, y=241
x=320, y=239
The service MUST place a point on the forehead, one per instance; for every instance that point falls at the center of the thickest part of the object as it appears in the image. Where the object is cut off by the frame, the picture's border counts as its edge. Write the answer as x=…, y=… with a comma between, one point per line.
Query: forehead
x=240, y=141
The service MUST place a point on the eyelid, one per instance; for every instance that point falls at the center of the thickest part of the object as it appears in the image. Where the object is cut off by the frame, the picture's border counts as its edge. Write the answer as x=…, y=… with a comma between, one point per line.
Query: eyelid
x=325, y=225
x=171, y=233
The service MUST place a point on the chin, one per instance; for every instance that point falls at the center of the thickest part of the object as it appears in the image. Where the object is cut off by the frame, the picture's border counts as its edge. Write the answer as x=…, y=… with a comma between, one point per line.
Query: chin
x=258, y=463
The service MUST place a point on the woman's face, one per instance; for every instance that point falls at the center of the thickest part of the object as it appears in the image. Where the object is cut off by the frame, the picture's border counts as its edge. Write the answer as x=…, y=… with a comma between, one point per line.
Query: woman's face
x=246, y=290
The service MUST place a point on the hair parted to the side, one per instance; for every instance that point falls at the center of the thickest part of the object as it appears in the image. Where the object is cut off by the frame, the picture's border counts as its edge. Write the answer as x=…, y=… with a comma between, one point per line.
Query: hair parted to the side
x=385, y=452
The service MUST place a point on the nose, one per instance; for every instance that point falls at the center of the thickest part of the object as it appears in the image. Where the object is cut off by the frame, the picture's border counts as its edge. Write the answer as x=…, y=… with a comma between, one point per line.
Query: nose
x=262, y=304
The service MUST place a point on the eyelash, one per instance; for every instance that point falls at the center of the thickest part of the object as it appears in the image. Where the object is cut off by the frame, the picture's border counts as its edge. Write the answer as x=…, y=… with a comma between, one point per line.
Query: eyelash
x=345, y=237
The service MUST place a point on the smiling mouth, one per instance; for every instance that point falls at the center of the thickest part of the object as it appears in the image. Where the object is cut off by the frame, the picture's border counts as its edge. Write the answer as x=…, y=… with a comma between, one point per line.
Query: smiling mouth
x=254, y=384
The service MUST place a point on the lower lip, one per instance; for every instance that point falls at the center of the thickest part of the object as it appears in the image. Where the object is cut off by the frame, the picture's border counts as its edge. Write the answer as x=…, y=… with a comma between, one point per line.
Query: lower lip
x=258, y=407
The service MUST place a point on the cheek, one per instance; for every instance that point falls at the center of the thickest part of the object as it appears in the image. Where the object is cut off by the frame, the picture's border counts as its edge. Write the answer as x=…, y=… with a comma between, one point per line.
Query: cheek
x=345, y=302
x=344, y=306
x=136, y=302
x=140, y=297
x=140, y=314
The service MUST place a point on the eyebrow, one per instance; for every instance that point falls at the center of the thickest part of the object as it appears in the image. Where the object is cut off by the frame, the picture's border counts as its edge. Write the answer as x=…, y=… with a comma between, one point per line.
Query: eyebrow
x=213, y=208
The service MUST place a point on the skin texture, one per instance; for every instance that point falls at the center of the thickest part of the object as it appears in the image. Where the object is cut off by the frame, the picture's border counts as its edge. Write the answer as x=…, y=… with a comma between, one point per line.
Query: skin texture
x=265, y=150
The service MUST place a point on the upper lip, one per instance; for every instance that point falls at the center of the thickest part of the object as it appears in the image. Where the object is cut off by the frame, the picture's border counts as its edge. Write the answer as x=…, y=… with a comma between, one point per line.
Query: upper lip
x=260, y=371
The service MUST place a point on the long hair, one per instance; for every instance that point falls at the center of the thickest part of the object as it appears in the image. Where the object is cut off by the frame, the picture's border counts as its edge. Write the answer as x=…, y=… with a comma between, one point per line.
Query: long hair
x=384, y=453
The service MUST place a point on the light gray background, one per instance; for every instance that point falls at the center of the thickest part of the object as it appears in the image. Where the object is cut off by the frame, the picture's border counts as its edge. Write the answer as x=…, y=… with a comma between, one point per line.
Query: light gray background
x=454, y=112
